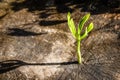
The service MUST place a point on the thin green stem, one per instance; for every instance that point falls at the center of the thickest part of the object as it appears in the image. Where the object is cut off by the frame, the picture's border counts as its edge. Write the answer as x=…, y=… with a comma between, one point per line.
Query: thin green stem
x=78, y=52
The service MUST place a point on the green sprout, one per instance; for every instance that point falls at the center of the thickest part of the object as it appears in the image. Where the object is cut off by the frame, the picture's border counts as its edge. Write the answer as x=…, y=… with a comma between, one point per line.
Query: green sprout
x=77, y=33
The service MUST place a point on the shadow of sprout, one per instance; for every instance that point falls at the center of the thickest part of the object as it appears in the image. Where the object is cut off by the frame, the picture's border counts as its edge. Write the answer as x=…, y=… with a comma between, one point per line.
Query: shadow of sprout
x=119, y=35
x=92, y=6
x=46, y=8
x=50, y=23
x=9, y=65
x=41, y=5
x=21, y=32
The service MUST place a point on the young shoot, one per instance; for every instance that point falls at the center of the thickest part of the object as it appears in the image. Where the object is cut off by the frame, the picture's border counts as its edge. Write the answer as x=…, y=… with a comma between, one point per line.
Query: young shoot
x=77, y=32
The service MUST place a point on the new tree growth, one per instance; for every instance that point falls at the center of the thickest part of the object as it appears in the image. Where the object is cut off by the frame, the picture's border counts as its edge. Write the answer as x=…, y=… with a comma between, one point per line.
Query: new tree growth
x=77, y=32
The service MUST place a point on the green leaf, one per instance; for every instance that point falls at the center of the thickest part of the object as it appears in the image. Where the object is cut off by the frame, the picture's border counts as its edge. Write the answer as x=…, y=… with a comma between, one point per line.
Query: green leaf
x=71, y=25
x=84, y=35
x=68, y=16
x=90, y=27
x=82, y=22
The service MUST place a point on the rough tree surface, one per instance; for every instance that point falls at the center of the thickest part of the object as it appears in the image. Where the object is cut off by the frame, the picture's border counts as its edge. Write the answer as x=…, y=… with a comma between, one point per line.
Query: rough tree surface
x=36, y=44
